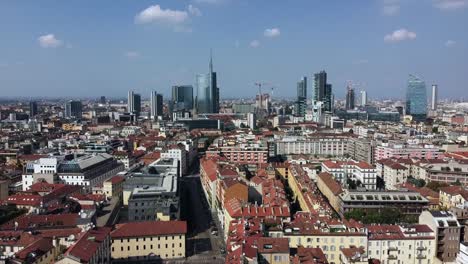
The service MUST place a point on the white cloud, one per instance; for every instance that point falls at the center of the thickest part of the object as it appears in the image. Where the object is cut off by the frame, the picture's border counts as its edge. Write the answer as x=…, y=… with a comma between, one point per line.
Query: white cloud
x=194, y=11
x=156, y=14
x=272, y=32
x=391, y=10
x=132, y=54
x=450, y=4
x=208, y=1
x=255, y=44
x=400, y=35
x=391, y=7
x=450, y=43
x=49, y=41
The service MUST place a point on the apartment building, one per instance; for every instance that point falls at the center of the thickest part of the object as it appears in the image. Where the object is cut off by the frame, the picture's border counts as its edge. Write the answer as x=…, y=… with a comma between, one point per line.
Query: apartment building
x=447, y=231
x=361, y=172
x=320, y=144
x=392, y=172
x=150, y=240
x=400, y=150
x=401, y=244
x=93, y=247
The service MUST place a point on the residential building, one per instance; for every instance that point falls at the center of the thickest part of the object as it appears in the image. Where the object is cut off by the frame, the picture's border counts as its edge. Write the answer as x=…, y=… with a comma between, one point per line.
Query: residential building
x=360, y=172
x=273, y=250
x=447, y=231
x=93, y=247
x=150, y=240
x=400, y=150
x=401, y=244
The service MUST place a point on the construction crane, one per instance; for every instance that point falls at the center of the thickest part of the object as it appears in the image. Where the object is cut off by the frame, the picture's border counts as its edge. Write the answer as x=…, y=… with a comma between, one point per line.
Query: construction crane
x=259, y=85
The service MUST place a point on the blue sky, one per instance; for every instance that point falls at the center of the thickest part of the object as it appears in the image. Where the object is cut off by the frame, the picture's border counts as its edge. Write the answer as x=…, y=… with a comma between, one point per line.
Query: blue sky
x=86, y=48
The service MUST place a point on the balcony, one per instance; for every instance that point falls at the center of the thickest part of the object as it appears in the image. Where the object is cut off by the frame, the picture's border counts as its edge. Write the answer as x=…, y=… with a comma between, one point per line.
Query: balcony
x=392, y=248
x=421, y=248
x=420, y=256
x=392, y=257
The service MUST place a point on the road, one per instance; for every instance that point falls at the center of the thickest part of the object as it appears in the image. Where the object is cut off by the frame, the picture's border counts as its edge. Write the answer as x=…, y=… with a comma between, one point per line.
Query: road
x=202, y=246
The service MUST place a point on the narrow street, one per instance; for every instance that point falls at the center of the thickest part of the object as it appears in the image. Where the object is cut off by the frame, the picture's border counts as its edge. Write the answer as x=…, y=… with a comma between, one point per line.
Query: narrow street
x=202, y=246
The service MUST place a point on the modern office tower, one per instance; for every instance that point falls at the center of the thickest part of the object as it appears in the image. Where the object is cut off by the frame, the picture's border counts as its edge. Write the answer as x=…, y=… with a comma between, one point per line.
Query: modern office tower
x=416, y=98
x=434, y=97
x=32, y=108
x=207, y=92
x=328, y=98
x=363, y=98
x=301, y=103
x=102, y=100
x=349, y=98
x=320, y=82
x=156, y=105
x=252, y=120
x=73, y=109
x=134, y=103
x=323, y=91
x=182, y=98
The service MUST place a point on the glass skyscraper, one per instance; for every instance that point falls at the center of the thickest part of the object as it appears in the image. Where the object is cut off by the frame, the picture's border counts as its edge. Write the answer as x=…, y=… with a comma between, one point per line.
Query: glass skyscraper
x=301, y=102
x=207, y=92
x=416, y=98
x=182, y=98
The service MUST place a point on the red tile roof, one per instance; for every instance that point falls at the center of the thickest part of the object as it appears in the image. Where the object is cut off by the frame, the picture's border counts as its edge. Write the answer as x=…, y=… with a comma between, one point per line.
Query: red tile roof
x=39, y=248
x=272, y=245
x=149, y=228
x=333, y=185
x=116, y=179
x=87, y=245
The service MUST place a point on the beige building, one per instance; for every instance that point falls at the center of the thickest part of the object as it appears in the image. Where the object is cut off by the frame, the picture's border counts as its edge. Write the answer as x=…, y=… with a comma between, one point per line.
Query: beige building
x=273, y=250
x=151, y=240
x=401, y=244
x=453, y=196
x=113, y=187
x=330, y=188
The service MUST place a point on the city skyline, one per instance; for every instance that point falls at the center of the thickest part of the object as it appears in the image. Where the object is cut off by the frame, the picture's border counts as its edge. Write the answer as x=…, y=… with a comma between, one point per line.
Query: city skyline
x=49, y=51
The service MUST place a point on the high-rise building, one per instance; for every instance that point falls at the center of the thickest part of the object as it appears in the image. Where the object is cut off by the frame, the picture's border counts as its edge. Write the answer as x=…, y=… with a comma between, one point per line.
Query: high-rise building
x=416, y=98
x=182, y=98
x=434, y=97
x=301, y=103
x=32, y=108
x=207, y=92
x=252, y=120
x=102, y=100
x=363, y=98
x=323, y=91
x=349, y=98
x=134, y=103
x=73, y=109
x=156, y=105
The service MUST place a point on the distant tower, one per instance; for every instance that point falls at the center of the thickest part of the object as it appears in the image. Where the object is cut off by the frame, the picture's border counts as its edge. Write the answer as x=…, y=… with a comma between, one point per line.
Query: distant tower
x=134, y=103
x=156, y=105
x=102, y=100
x=73, y=109
x=207, y=91
x=301, y=102
x=363, y=98
x=252, y=120
x=416, y=98
x=32, y=109
x=350, y=98
x=434, y=97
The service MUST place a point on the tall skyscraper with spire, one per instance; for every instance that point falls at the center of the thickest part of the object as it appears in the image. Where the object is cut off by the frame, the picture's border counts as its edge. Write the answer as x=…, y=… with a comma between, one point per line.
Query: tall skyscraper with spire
x=207, y=91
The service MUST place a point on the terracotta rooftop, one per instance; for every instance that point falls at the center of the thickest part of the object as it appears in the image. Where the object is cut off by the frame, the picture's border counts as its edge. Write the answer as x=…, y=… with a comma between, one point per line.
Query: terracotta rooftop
x=87, y=245
x=149, y=228
x=330, y=182
x=271, y=245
